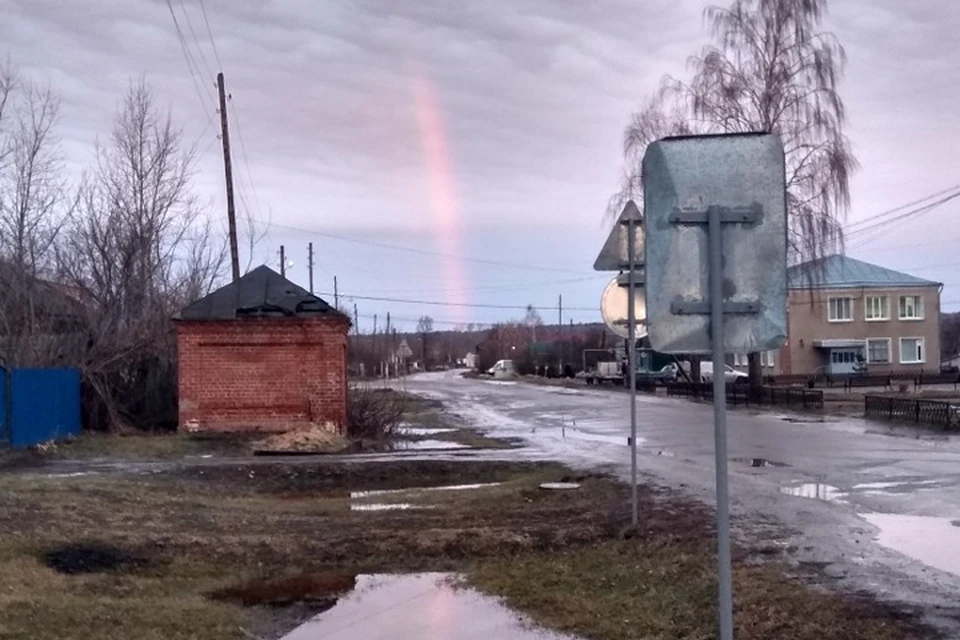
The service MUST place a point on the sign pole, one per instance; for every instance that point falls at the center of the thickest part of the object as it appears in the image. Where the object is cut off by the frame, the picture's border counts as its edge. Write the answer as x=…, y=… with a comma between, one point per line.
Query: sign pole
x=631, y=357
x=720, y=422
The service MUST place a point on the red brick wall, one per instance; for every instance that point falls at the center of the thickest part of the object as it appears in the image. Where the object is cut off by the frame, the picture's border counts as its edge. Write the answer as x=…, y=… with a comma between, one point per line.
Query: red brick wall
x=269, y=374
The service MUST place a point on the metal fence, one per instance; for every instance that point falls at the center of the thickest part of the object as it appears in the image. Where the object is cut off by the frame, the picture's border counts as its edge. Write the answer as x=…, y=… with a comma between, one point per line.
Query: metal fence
x=932, y=412
x=38, y=405
x=741, y=394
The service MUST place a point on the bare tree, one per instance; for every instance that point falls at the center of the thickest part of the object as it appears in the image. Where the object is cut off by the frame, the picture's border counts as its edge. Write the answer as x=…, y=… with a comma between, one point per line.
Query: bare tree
x=140, y=249
x=33, y=208
x=770, y=68
x=424, y=328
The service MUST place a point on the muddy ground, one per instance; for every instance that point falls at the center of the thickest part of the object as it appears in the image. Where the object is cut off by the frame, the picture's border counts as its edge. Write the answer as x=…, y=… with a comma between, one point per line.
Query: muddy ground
x=243, y=550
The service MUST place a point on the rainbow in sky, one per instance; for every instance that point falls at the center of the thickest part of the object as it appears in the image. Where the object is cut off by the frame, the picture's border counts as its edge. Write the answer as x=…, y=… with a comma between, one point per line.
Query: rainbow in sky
x=444, y=201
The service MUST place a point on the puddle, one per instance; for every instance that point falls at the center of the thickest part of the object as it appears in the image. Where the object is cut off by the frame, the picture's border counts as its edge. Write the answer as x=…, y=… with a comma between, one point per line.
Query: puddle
x=424, y=606
x=308, y=587
x=579, y=434
x=358, y=495
x=815, y=490
x=931, y=540
x=423, y=431
x=560, y=486
x=94, y=558
x=426, y=445
x=388, y=506
x=761, y=462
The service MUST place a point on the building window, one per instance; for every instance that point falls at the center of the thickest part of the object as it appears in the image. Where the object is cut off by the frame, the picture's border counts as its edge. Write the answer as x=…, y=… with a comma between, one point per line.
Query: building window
x=911, y=307
x=766, y=358
x=841, y=310
x=912, y=351
x=878, y=351
x=877, y=308
x=740, y=360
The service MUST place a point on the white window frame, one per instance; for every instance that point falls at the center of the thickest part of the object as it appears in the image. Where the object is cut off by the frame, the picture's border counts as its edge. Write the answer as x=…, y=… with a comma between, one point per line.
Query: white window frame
x=867, y=308
x=830, y=309
x=740, y=360
x=767, y=358
x=923, y=350
x=889, y=359
x=918, y=307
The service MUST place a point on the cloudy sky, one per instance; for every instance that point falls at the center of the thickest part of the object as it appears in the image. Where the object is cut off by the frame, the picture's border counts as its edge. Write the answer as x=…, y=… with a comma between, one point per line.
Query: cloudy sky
x=464, y=152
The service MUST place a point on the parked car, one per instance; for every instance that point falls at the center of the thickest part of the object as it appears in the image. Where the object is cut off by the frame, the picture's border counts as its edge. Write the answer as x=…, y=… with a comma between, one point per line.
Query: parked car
x=503, y=368
x=730, y=374
x=667, y=373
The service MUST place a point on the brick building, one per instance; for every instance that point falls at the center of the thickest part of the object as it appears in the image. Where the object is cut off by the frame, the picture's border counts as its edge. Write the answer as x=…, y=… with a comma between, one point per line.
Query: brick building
x=261, y=354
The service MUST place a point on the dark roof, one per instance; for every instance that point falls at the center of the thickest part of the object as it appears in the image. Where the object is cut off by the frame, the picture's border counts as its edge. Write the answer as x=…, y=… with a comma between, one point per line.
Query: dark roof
x=260, y=293
x=842, y=272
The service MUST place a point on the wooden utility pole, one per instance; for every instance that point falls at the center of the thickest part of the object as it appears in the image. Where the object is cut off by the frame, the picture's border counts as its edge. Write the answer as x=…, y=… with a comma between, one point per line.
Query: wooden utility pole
x=336, y=294
x=356, y=318
x=283, y=262
x=310, y=264
x=228, y=173
x=560, y=331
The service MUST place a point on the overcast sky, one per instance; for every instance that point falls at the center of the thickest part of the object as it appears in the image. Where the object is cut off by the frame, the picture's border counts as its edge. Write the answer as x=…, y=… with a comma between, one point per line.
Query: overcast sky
x=487, y=130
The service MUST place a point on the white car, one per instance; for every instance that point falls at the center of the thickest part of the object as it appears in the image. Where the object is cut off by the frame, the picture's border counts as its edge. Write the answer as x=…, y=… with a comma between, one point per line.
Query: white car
x=730, y=374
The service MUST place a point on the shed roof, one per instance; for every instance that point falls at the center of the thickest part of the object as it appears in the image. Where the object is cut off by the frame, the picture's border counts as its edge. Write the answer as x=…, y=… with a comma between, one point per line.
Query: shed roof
x=843, y=272
x=260, y=293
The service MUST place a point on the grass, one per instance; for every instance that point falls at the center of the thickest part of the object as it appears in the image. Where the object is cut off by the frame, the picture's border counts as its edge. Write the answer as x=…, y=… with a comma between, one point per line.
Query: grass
x=629, y=589
x=562, y=557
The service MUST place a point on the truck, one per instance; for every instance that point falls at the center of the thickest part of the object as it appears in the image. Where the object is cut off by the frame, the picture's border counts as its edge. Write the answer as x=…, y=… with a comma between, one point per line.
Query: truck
x=611, y=371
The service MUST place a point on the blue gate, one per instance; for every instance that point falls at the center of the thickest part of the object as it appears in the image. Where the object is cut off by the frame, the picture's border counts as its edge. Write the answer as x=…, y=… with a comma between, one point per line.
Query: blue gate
x=38, y=405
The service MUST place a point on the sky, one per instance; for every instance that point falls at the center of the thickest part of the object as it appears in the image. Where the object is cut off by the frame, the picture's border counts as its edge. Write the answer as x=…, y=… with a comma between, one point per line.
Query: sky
x=464, y=153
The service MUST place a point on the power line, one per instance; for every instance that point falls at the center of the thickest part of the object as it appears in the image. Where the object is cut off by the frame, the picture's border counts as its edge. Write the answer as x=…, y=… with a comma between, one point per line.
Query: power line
x=196, y=40
x=190, y=61
x=903, y=216
x=437, y=303
x=246, y=161
x=213, y=43
x=903, y=206
x=382, y=245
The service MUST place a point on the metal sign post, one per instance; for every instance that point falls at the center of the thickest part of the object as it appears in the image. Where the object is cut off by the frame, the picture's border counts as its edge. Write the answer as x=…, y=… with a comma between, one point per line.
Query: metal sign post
x=631, y=362
x=619, y=252
x=715, y=271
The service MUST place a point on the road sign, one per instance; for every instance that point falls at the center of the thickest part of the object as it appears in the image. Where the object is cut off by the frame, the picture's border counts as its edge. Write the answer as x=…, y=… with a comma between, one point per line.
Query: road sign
x=614, y=254
x=742, y=176
x=614, y=308
x=716, y=260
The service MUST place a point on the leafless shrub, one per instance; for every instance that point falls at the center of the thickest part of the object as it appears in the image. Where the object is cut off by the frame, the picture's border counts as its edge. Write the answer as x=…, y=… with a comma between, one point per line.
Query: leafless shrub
x=375, y=413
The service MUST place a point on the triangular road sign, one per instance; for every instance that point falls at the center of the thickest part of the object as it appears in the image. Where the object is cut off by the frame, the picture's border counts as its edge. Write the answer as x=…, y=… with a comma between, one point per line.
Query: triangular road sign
x=613, y=255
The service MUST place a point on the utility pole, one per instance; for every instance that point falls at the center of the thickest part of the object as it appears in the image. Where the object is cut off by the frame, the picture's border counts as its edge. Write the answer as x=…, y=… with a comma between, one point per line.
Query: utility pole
x=283, y=262
x=356, y=318
x=560, y=330
x=336, y=294
x=228, y=173
x=310, y=264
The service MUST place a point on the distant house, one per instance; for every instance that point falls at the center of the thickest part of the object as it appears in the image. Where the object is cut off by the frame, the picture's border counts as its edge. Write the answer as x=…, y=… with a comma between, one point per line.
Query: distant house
x=261, y=353
x=470, y=360
x=846, y=315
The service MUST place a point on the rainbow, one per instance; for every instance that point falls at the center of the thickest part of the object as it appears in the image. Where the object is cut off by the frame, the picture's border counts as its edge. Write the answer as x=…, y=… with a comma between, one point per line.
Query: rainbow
x=443, y=197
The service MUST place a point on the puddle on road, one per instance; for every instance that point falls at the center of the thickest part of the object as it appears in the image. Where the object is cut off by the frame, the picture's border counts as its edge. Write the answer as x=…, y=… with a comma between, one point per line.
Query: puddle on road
x=388, y=506
x=424, y=606
x=816, y=491
x=426, y=445
x=423, y=431
x=931, y=540
x=761, y=462
x=358, y=495
x=579, y=434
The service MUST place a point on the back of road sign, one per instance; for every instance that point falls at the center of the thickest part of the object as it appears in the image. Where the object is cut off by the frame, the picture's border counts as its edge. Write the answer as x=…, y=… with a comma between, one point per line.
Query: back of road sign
x=743, y=176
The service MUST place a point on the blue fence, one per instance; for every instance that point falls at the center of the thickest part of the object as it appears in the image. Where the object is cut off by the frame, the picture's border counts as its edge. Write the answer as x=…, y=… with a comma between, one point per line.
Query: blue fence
x=38, y=405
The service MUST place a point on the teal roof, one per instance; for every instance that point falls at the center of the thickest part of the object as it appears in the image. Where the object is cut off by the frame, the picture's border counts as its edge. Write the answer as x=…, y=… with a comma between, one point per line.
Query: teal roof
x=842, y=272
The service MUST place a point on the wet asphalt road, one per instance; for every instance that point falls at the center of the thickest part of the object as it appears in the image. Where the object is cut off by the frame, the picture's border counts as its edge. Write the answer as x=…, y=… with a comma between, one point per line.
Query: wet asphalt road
x=878, y=508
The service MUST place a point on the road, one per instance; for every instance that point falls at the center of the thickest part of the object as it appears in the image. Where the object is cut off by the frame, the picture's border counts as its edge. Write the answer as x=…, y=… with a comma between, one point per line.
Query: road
x=878, y=508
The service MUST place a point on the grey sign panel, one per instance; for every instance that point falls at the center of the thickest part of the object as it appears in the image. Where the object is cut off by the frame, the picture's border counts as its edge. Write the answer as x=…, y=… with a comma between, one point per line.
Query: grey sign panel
x=742, y=178
x=613, y=255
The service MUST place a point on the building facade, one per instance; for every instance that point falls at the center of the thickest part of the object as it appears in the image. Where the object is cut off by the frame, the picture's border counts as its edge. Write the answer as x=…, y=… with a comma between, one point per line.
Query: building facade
x=848, y=316
x=261, y=354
